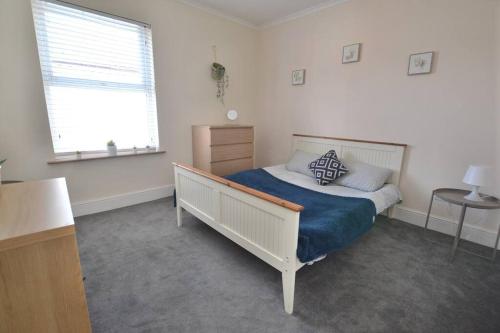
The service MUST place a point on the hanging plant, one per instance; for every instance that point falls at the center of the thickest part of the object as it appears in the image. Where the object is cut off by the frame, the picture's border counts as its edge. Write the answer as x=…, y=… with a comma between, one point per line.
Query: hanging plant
x=220, y=76
x=222, y=79
x=218, y=71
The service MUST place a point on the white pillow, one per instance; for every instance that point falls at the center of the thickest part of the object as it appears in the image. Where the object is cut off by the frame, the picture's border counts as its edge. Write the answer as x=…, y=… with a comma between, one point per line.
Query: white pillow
x=364, y=177
x=300, y=162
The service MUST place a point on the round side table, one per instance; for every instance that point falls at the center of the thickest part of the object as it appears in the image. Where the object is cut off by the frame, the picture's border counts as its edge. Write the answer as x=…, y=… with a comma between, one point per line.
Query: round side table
x=456, y=197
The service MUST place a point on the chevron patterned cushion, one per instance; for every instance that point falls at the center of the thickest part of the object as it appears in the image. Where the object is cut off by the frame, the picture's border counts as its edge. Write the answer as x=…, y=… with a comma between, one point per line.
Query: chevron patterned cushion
x=327, y=168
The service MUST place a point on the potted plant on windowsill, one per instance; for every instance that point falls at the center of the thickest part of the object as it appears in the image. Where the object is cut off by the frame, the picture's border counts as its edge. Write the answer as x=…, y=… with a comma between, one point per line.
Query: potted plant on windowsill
x=1, y=162
x=112, y=148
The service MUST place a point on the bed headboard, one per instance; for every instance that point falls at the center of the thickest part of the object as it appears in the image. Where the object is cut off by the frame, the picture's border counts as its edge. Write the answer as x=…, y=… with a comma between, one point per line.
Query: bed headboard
x=381, y=154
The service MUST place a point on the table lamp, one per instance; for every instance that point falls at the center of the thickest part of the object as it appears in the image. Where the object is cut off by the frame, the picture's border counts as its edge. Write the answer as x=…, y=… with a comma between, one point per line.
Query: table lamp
x=476, y=176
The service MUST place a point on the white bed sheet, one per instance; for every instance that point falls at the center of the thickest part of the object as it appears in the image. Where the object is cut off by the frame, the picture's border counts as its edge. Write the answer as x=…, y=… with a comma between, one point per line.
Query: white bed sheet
x=384, y=198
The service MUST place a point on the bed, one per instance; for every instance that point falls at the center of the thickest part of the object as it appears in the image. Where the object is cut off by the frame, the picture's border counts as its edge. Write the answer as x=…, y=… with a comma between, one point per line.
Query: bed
x=260, y=209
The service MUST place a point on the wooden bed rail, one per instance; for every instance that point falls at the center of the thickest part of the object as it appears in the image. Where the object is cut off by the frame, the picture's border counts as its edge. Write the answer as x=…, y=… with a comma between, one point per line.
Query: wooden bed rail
x=261, y=195
x=351, y=140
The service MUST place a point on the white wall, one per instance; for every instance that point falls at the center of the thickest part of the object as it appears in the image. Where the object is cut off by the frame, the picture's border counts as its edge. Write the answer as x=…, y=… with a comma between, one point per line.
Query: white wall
x=497, y=100
x=497, y=91
x=447, y=118
x=182, y=40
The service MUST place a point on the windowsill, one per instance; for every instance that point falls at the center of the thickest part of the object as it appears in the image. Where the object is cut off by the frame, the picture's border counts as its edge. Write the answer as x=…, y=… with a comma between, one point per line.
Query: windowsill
x=100, y=156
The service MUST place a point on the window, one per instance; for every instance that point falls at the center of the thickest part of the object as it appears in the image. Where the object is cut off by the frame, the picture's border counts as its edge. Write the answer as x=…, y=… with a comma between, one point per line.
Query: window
x=98, y=78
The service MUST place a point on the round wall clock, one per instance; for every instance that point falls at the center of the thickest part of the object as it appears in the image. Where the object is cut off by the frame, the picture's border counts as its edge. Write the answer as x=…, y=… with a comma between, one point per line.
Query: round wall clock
x=232, y=114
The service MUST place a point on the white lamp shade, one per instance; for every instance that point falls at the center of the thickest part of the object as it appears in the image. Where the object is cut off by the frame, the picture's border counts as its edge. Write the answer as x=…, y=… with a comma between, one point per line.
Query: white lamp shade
x=477, y=175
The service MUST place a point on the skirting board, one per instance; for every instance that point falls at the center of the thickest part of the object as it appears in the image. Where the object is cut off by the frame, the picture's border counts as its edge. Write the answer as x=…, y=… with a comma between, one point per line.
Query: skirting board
x=471, y=233
x=121, y=200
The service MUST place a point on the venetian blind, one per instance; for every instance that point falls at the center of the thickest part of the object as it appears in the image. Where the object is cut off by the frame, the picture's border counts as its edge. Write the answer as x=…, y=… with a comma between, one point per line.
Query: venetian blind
x=98, y=78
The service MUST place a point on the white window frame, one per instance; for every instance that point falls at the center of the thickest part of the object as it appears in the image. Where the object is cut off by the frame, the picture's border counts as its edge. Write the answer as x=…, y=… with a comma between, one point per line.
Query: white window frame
x=67, y=81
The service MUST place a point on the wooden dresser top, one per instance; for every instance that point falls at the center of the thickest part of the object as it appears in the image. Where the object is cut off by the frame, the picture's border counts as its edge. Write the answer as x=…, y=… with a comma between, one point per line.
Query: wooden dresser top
x=34, y=211
x=224, y=126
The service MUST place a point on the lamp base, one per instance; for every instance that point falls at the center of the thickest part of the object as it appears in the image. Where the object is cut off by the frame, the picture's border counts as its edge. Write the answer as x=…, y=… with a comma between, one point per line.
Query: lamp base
x=474, y=195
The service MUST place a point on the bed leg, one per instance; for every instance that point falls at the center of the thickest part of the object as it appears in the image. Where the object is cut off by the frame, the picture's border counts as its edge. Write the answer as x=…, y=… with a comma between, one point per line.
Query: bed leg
x=179, y=215
x=390, y=213
x=288, y=290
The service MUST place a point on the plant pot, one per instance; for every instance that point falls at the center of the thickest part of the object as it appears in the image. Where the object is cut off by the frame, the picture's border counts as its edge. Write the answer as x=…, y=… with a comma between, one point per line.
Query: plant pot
x=112, y=150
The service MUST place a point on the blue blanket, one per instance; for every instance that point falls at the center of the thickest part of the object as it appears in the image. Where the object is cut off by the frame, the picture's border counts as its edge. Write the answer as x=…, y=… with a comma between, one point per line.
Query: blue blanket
x=327, y=223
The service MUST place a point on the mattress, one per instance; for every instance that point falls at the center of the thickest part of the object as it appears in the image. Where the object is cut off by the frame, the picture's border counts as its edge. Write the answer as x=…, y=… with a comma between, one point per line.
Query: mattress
x=384, y=198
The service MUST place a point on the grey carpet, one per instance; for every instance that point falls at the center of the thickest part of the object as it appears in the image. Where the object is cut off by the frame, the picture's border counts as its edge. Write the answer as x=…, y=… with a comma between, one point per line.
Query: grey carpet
x=143, y=274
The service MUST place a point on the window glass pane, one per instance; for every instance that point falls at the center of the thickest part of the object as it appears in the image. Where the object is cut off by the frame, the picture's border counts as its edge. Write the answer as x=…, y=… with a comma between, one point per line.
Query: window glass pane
x=100, y=116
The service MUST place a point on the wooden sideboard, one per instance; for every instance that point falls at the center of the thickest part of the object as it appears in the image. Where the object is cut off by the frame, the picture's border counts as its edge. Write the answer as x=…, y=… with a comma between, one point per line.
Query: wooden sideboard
x=223, y=150
x=41, y=287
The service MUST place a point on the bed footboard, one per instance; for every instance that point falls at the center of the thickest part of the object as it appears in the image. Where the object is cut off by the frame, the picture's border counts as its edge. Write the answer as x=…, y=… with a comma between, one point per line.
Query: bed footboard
x=262, y=224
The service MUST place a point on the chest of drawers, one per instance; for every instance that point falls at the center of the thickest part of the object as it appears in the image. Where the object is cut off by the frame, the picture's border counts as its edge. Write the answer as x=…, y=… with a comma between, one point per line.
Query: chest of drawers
x=223, y=150
x=41, y=288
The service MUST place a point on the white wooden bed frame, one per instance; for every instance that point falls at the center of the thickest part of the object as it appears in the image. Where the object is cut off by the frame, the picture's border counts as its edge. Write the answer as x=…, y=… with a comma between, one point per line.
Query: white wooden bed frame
x=265, y=225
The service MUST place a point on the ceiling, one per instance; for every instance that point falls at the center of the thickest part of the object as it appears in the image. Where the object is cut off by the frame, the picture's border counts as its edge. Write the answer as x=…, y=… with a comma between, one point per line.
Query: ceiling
x=261, y=13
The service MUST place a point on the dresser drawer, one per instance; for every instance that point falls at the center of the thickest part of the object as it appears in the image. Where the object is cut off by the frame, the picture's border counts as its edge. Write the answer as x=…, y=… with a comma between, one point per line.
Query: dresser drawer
x=232, y=152
x=226, y=136
x=229, y=167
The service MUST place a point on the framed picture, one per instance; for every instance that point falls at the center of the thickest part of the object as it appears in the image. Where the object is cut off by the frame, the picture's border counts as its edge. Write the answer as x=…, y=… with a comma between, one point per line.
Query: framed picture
x=420, y=63
x=298, y=77
x=351, y=53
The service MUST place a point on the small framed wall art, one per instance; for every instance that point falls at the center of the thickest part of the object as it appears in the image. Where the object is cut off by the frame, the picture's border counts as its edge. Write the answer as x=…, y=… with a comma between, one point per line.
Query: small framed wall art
x=299, y=77
x=420, y=63
x=351, y=53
